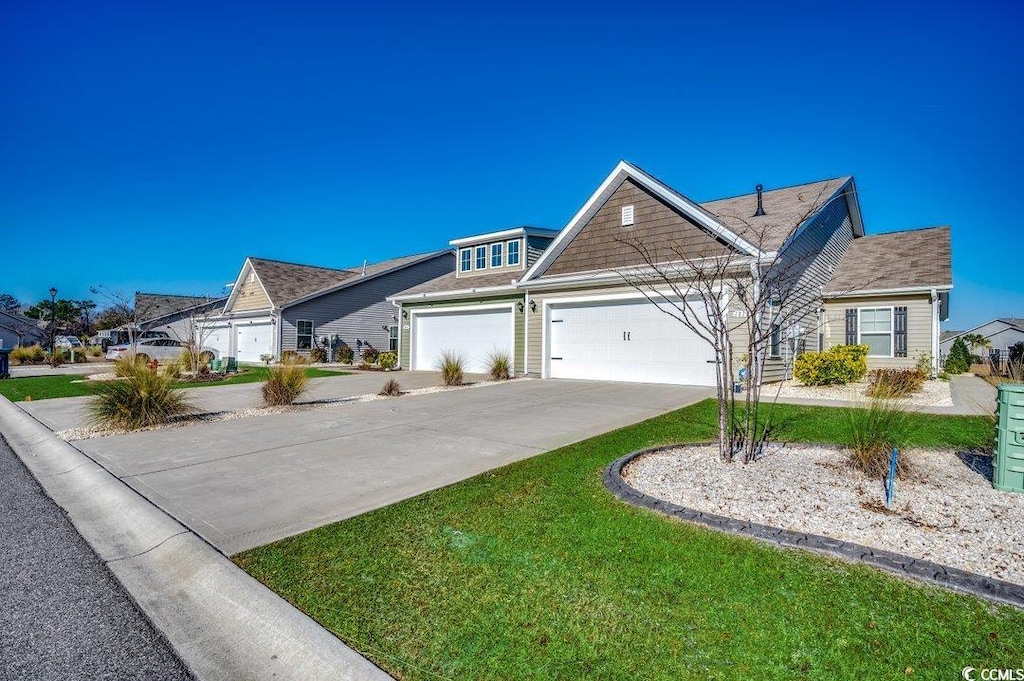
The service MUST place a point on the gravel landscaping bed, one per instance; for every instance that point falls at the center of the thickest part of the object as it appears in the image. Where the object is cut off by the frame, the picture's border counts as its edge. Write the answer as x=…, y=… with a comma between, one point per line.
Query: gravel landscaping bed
x=946, y=511
x=934, y=393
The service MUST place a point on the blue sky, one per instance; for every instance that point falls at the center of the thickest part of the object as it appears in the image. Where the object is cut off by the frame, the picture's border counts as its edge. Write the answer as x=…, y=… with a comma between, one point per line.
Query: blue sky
x=149, y=147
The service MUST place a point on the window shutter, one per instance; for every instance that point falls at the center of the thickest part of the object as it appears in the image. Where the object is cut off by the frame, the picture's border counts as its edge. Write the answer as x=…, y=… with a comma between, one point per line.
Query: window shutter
x=851, y=326
x=899, y=326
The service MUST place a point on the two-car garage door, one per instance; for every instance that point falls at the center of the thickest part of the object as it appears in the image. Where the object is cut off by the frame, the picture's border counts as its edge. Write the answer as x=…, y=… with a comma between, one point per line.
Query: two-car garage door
x=474, y=334
x=625, y=340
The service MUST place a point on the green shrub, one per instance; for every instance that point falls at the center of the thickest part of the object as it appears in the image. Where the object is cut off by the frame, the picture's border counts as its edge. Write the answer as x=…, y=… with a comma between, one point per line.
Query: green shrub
x=894, y=383
x=873, y=432
x=450, y=365
x=284, y=384
x=318, y=355
x=836, y=366
x=387, y=360
x=959, y=360
x=499, y=366
x=365, y=366
x=142, y=398
x=346, y=354
x=124, y=366
x=370, y=355
x=31, y=354
x=391, y=389
x=55, y=358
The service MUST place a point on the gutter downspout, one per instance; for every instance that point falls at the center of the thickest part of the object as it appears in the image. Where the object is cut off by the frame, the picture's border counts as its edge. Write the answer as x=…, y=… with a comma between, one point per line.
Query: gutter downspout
x=935, y=331
x=398, y=306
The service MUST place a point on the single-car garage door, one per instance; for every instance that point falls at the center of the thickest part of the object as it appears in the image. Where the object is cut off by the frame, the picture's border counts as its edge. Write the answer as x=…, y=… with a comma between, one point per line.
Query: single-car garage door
x=630, y=340
x=254, y=340
x=218, y=337
x=473, y=334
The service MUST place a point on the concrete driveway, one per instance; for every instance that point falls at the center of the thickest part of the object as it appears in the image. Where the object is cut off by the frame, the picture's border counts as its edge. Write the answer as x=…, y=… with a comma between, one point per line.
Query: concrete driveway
x=247, y=482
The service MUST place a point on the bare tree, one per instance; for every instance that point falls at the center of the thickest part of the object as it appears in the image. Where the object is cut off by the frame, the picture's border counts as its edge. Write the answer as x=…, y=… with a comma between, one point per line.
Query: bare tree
x=193, y=336
x=121, y=307
x=736, y=300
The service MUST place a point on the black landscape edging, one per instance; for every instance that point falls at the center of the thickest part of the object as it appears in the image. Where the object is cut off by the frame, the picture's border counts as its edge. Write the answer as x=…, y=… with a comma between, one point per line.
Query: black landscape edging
x=922, y=570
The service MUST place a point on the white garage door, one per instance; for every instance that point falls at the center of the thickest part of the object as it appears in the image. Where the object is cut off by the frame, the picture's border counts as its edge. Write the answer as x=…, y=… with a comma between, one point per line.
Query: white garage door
x=629, y=340
x=474, y=334
x=217, y=337
x=254, y=340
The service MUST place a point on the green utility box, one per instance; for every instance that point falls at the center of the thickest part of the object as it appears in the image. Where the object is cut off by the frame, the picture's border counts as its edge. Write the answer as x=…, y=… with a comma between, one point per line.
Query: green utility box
x=1009, y=456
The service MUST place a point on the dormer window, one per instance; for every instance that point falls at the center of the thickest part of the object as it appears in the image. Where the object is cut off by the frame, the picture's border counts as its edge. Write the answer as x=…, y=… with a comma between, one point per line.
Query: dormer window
x=465, y=260
x=481, y=257
x=513, y=253
x=627, y=215
x=497, y=256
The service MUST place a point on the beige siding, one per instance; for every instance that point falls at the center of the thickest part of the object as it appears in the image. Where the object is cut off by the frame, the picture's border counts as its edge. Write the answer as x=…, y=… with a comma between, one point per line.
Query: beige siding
x=251, y=296
x=919, y=325
x=604, y=243
x=404, y=347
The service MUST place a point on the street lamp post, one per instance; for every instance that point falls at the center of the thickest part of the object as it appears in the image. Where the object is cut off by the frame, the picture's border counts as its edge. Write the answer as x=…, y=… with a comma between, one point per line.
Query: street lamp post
x=53, y=319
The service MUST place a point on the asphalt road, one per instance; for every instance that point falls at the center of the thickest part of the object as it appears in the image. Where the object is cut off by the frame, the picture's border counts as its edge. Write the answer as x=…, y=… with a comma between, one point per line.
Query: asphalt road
x=63, y=615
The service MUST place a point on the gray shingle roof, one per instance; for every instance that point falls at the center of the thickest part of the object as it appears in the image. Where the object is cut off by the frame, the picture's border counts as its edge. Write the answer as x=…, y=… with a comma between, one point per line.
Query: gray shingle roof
x=784, y=210
x=914, y=258
x=449, y=283
x=1013, y=321
x=286, y=281
x=152, y=305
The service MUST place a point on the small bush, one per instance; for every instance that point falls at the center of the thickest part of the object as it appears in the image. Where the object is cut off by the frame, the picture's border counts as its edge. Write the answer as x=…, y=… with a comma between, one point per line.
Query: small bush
x=95, y=350
x=499, y=366
x=387, y=360
x=450, y=365
x=837, y=366
x=959, y=360
x=346, y=354
x=292, y=357
x=143, y=398
x=873, y=432
x=391, y=389
x=55, y=358
x=365, y=366
x=894, y=383
x=318, y=355
x=31, y=354
x=172, y=369
x=370, y=355
x=284, y=384
x=925, y=363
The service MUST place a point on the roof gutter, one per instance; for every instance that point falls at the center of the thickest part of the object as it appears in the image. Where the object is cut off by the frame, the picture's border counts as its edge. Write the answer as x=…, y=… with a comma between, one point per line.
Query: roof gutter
x=883, y=291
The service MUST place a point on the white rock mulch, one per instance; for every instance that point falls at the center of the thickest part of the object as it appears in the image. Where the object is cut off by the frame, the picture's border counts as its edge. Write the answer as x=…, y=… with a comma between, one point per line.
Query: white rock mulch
x=944, y=512
x=934, y=393
x=89, y=432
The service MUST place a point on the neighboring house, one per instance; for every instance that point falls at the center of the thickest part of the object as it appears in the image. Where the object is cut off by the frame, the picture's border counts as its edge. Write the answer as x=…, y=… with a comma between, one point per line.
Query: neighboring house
x=475, y=309
x=178, y=316
x=581, y=319
x=16, y=330
x=1002, y=335
x=275, y=306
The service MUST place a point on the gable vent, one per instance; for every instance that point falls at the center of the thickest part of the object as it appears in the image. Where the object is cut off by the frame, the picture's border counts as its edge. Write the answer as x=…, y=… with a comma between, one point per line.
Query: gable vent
x=627, y=215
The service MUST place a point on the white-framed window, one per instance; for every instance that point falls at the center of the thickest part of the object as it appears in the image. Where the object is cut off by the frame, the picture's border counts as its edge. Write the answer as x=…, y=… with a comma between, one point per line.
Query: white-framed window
x=465, y=260
x=304, y=338
x=393, y=338
x=481, y=257
x=512, y=252
x=497, y=256
x=775, y=342
x=874, y=329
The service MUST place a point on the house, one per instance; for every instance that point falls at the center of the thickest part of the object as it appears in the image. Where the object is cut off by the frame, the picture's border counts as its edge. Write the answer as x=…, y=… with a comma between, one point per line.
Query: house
x=476, y=308
x=1002, y=334
x=276, y=307
x=176, y=315
x=573, y=312
x=16, y=329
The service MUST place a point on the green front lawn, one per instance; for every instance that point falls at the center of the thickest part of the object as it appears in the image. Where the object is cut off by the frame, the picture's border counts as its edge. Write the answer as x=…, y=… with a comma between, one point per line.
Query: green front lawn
x=534, y=571
x=75, y=385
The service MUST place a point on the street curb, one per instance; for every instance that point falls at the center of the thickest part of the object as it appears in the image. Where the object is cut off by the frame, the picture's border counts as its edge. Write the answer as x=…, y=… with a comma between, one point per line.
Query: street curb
x=944, y=576
x=221, y=622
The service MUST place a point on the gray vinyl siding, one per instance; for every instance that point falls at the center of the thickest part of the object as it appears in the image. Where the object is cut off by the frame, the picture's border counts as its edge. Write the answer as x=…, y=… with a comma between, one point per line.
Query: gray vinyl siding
x=359, y=313
x=535, y=247
x=1001, y=335
x=806, y=264
x=14, y=331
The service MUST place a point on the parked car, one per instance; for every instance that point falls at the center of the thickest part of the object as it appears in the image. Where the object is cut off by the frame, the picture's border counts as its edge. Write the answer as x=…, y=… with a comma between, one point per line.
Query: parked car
x=107, y=337
x=160, y=349
x=67, y=342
